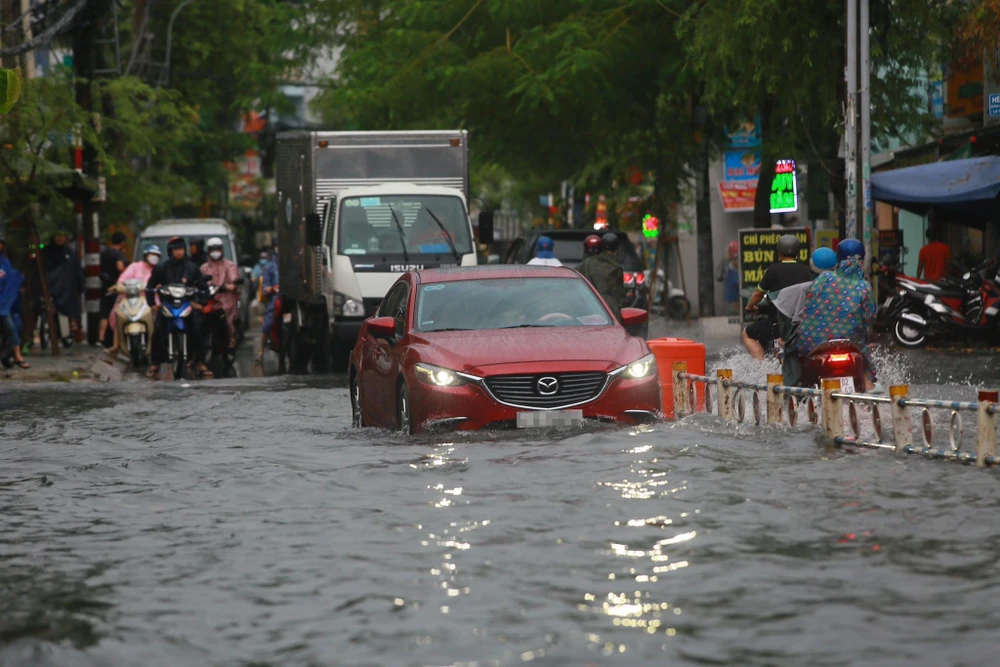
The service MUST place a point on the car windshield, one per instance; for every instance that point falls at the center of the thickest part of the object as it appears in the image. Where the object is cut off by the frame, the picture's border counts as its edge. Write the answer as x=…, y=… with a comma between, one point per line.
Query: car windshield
x=503, y=303
x=227, y=249
x=398, y=224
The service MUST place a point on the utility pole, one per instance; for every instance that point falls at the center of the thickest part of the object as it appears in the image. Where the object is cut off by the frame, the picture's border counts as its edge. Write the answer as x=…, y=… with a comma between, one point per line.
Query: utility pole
x=866, y=131
x=85, y=63
x=851, y=122
x=857, y=126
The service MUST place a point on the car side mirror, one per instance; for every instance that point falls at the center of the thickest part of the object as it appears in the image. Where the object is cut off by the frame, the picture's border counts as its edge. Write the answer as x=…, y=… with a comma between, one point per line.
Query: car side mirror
x=382, y=327
x=314, y=230
x=634, y=316
x=486, y=227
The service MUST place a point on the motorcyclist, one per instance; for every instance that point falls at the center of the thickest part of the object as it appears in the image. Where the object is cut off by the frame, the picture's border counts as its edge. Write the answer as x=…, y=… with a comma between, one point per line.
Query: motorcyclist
x=544, y=256
x=840, y=305
x=270, y=287
x=177, y=270
x=135, y=271
x=604, y=271
x=197, y=254
x=226, y=275
x=787, y=271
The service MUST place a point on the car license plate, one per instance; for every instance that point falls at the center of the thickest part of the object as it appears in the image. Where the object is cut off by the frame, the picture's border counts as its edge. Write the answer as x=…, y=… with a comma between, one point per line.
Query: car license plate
x=549, y=418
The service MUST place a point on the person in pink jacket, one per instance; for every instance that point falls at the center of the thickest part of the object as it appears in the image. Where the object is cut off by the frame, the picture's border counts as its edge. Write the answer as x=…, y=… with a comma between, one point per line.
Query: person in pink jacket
x=222, y=272
x=135, y=271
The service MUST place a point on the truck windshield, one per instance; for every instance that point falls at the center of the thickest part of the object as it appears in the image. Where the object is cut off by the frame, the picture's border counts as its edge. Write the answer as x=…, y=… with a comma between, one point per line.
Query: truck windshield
x=422, y=224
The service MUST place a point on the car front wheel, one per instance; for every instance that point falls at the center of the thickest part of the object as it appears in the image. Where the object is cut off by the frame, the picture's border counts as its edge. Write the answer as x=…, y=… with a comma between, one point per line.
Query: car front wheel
x=404, y=418
x=357, y=413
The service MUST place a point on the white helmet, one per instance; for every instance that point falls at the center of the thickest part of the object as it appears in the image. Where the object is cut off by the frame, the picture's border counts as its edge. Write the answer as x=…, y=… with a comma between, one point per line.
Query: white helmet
x=214, y=242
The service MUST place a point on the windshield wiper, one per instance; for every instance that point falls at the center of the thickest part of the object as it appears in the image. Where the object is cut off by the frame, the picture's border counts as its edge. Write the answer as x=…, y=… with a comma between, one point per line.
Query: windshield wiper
x=447, y=236
x=449, y=329
x=402, y=234
x=529, y=326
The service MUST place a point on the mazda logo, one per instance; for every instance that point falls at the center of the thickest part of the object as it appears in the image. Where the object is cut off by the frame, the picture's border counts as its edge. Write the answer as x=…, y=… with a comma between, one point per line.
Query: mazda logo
x=548, y=386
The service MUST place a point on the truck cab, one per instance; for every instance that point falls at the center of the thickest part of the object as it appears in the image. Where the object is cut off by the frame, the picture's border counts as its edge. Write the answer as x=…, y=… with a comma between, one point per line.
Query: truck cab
x=371, y=235
x=355, y=211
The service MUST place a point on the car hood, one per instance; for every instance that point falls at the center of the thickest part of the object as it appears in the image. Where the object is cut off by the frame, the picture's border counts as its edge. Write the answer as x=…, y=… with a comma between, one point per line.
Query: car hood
x=555, y=349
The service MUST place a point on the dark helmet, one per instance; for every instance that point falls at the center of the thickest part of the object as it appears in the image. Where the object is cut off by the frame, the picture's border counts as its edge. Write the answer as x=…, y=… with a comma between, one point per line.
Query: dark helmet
x=176, y=242
x=610, y=241
x=788, y=246
x=118, y=237
x=592, y=244
x=850, y=248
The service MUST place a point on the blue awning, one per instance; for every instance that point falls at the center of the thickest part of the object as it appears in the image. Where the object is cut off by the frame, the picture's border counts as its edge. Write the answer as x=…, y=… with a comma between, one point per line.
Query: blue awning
x=969, y=186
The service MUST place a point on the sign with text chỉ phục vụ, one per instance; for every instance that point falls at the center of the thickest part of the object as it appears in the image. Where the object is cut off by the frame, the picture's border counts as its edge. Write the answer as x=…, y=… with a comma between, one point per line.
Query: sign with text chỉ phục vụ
x=758, y=251
x=784, y=190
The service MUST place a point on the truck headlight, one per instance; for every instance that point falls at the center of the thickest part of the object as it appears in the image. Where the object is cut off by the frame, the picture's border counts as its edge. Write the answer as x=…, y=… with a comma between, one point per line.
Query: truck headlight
x=345, y=306
x=437, y=376
x=640, y=368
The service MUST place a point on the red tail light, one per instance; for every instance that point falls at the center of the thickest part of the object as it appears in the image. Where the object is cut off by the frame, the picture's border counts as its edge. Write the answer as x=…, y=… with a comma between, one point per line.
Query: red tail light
x=628, y=277
x=640, y=278
x=839, y=358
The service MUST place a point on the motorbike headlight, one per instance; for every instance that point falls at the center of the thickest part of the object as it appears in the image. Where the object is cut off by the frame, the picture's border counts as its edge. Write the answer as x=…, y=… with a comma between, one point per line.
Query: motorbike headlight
x=345, y=306
x=640, y=368
x=437, y=376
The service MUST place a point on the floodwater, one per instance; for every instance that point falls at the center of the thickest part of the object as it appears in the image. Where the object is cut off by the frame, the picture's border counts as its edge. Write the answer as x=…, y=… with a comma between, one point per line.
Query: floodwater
x=243, y=522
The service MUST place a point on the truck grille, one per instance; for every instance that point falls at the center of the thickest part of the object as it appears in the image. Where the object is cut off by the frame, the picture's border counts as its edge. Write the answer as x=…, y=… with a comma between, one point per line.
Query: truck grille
x=531, y=391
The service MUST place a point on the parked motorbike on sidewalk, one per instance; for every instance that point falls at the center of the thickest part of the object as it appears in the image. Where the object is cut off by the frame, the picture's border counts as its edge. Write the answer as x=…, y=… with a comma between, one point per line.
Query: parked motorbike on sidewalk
x=177, y=305
x=134, y=320
x=920, y=311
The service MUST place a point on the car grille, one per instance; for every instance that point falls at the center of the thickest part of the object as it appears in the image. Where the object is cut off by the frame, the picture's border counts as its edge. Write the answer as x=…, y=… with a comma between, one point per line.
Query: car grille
x=524, y=391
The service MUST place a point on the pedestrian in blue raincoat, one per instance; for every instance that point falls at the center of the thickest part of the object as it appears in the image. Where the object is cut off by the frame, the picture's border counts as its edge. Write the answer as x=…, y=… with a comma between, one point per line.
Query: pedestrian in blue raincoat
x=10, y=291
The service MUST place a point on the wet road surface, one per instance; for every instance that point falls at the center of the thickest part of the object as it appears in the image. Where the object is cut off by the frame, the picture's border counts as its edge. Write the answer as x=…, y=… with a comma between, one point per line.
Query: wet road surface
x=243, y=522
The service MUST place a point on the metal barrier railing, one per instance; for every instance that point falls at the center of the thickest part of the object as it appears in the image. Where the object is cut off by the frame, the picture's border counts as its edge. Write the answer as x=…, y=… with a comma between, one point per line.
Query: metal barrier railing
x=825, y=406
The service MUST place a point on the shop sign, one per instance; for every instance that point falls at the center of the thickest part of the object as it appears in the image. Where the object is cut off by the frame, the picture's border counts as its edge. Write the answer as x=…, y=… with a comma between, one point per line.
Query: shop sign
x=784, y=194
x=758, y=251
x=737, y=196
x=741, y=165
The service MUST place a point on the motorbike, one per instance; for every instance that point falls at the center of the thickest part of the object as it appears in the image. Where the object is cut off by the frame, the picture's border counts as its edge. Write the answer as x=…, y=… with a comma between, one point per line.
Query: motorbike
x=135, y=322
x=177, y=306
x=833, y=359
x=677, y=306
x=920, y=310
x=219, y=355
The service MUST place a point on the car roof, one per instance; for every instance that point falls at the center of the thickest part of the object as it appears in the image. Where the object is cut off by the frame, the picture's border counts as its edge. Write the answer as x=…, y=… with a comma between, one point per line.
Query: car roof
x=188, y=227
x=492, y=272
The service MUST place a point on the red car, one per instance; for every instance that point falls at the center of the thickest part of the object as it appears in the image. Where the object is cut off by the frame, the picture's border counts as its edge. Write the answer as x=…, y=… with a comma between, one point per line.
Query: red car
x=499, y=346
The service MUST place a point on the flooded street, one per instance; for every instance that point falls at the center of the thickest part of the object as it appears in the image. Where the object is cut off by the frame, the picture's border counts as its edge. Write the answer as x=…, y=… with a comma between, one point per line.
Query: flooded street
x=243, y=522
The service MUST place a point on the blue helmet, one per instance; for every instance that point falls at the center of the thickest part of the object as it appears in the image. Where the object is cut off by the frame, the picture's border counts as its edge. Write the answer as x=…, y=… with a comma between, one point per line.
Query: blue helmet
x=544, y=243
x=824, y=259
x=850, y=248
x=151, y=249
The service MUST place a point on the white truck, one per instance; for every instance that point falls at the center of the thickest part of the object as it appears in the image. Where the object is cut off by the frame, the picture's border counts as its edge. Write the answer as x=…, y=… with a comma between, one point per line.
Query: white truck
x=356, y=210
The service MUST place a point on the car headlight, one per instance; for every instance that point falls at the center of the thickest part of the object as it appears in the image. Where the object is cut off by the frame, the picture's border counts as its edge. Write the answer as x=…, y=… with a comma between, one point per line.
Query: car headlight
x=437, y=376
x=345, y=306
x=640, y=368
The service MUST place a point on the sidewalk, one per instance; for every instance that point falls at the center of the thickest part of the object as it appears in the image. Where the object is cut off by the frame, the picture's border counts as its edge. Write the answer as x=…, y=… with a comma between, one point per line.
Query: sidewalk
x=73, y=365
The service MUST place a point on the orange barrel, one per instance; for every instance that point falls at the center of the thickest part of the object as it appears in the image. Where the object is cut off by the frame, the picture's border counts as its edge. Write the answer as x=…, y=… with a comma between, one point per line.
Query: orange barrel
x=669, y=350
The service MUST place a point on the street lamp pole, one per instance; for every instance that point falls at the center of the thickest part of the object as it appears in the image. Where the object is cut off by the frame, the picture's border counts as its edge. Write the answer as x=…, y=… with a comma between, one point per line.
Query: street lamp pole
x=165, y=77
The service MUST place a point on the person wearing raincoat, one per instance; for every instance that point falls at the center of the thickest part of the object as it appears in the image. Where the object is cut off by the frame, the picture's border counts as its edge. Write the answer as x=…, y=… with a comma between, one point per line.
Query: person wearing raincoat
x=270, y=288
x=840, y=305
x=135, y=271
x=10, y=289
x=544, y=254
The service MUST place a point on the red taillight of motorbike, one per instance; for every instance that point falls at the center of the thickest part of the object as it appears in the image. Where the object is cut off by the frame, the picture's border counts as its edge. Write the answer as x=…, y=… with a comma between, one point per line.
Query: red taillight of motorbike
x=640, y=278
x=628, y=277
x=839, y=358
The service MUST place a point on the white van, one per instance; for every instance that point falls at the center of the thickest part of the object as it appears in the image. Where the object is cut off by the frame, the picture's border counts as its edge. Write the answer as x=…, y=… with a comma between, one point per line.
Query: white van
x=199, y=229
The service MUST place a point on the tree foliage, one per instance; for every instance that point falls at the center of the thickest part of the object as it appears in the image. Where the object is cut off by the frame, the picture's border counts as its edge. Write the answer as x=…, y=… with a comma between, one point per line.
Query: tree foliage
x=562, y=89
x=785, y=61
x=141, y=148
